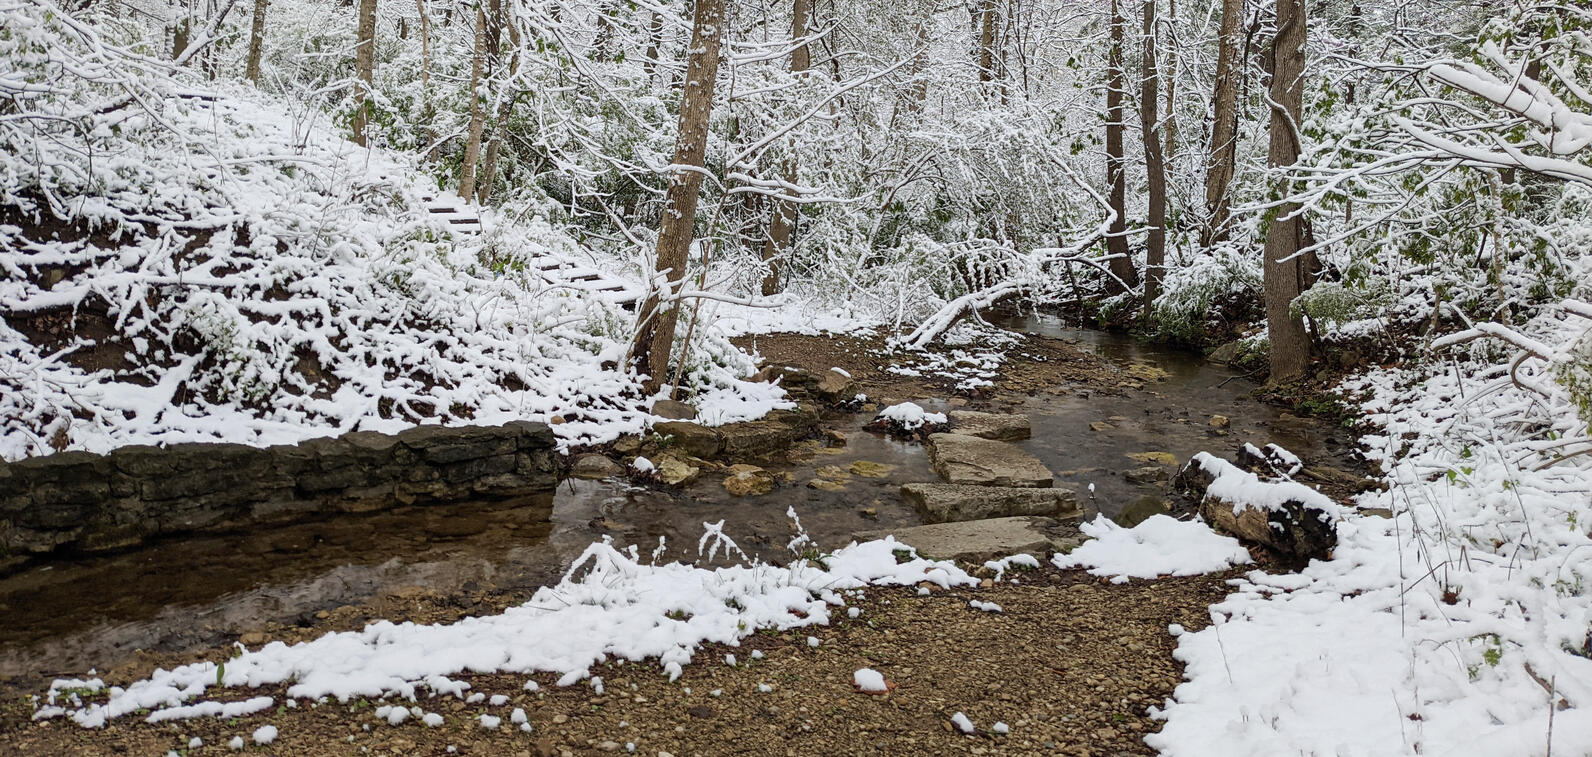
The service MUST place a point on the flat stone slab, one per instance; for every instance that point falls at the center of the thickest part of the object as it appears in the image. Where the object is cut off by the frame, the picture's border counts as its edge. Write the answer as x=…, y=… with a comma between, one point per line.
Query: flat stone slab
x=1004, y=427
x=951, y=503
x=980, y=540
x=961, y=459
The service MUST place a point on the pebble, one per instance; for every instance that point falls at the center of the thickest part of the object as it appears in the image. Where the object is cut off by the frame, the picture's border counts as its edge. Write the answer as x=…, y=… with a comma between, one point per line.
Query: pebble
x=560, y=718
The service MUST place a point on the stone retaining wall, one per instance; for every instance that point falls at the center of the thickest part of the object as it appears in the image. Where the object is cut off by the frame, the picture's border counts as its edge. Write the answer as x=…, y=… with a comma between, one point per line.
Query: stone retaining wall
x=83, y=502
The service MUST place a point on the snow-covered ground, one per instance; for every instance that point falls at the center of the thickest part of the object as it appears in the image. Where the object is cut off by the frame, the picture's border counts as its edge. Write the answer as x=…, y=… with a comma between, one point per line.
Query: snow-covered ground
x=259, y=279
x=1459, y=626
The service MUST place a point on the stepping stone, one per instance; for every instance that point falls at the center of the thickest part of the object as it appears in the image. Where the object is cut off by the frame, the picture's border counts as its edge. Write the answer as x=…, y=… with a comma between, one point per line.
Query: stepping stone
x=1004, y=427
x=980, y=540
x=963, y=459
x=948, y=503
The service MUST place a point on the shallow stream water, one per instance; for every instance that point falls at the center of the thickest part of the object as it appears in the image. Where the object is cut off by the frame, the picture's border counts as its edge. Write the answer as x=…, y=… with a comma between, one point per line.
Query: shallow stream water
x=64, y=617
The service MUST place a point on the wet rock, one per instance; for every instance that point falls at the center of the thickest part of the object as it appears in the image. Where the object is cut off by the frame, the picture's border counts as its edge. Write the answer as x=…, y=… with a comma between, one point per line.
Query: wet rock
x=827, y=485
x=1220, y=421
x=676, y=472
x=869, y=469
x=970, y=460
x=980, y=540
x=674, y=410
x=627, y=445
x=1225, y=354
x=1155, y=458
x=1100, y=426
x=1145, y=476
x=835, y=438
x=835, y=386
x=949, y=503
x=755, y=440
x=998, y=426
x=1141, y=509
x=833, y=472
x=1293, y=529
x=694, y=439
x=593, y=467
x=748, y=481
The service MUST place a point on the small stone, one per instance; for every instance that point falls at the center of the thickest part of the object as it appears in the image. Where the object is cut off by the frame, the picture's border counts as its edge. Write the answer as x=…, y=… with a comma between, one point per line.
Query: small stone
x=1155, y=458
x=869, y=469
x=627, y=445
x=826, y=485
x=675, y=472
x=674, y=411
x=835, y=438
x=748, y=481
x=593, y=467
x=1220, y=421
x=254, y=638
x=1144, y=476
x=560, y=718
x=608, y=746
x=1100, y=426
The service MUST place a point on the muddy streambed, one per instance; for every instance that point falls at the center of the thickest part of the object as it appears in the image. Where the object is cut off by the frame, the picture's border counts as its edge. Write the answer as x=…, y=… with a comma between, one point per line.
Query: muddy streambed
x=198, y=593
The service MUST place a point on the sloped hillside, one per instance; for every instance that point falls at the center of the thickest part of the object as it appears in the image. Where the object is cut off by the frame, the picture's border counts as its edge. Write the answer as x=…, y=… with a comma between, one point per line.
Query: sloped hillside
x=187, y=262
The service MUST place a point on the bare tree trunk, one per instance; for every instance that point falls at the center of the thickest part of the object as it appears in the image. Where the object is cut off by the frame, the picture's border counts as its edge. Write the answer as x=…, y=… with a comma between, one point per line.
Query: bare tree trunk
x=365, y=66
x=472, y=141
x=986, y=41
x=1173, y=60
x=654, y=41
x=1121, y=265
x=1284, y=270
x=1154, y=166
x=1224, y=131
x=251, y=65
x=779, y=231
x=425, y=47
x=655, y=330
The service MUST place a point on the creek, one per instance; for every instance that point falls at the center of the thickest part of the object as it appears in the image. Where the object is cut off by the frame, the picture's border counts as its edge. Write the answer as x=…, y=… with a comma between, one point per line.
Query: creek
x=185, y=594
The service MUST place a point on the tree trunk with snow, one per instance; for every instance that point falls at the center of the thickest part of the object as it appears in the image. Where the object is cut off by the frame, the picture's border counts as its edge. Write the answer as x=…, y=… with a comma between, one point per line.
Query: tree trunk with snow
x=784, y=222
x=655, y=330
x=1284, y=269
x=472, y=141
x=1154, y=166
x=1121, y=265
x=365, y=67
x=251, y=66
x=986, y=41
x=1224, y=128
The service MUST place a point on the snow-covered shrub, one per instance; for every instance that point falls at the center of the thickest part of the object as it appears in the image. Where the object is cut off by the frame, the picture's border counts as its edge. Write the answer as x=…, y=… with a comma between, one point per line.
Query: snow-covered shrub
x=1198, y=299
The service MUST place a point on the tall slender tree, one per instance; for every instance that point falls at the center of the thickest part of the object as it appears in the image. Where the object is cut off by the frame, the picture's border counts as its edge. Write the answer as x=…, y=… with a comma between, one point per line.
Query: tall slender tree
x=251, y=65
x=1224, y=126
x=779, y=231
x=658, y=314
x=1284, y=270
x=365, y=67
x=1121, y=265
x=472, y=138
x=1154, y=165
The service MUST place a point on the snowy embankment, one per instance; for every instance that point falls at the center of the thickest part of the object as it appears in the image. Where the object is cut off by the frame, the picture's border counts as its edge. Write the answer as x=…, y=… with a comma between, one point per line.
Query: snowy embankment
x=182, y=260
x=610, y=606
x=1459, y=626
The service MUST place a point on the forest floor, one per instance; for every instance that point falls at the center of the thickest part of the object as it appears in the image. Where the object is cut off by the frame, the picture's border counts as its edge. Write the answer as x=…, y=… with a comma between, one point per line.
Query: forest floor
x=1072, y=664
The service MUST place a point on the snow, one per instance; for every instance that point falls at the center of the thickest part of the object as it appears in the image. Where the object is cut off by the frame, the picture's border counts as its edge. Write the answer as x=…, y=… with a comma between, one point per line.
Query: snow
x=911, y=416
x=490, y=722
x=608, y=606
x=498, y=700
x=979, y=604
x=869, y=680
x=236, y=743
x=1000, y=729
x=1159, y=546
x=265, y=734
x=962, y=723
x=1440, y=630
x=1007, y=563
x=1245, y=490
x=518, y=717
x=431, y=719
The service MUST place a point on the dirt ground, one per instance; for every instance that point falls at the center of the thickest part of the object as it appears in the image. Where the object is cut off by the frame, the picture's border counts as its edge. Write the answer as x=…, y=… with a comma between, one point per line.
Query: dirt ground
x=1071, y=665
